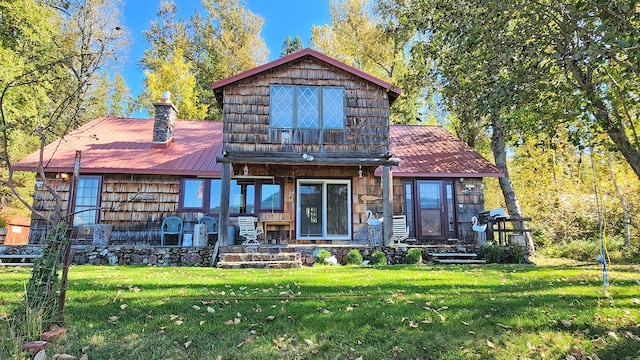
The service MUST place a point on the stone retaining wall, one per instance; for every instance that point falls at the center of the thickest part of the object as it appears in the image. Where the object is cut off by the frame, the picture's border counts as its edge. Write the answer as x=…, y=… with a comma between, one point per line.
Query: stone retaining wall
x=201, y=256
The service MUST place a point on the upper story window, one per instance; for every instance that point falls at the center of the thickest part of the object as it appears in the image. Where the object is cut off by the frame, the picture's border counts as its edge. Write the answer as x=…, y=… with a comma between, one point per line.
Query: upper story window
x=306, y=107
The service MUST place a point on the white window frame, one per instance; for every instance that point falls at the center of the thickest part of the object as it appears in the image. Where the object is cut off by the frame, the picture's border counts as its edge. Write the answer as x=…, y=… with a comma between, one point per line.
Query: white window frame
x=299, y=210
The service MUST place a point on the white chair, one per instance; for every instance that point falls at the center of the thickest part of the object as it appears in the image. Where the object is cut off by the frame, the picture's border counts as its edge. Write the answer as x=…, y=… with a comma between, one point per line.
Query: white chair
x=400, y=229
x=249, y=231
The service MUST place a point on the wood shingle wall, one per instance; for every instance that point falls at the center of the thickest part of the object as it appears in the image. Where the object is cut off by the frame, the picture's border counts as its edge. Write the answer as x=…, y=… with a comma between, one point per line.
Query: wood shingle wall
x=246, y=113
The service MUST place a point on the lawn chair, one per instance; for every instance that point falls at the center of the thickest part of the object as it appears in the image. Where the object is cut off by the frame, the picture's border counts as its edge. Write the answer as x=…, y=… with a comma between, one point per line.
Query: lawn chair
x=249, y=231
x=212, y=224
x=400, y=229
x=172, y=225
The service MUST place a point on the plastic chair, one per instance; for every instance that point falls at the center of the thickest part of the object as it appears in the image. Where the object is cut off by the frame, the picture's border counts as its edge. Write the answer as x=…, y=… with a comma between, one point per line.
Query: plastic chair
x=400, y=228
x=212, y=224
x=249, y=231
x=172, y=225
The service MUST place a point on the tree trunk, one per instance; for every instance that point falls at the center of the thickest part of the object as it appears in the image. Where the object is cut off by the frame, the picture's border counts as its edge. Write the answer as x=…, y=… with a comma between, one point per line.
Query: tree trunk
x=498, y=146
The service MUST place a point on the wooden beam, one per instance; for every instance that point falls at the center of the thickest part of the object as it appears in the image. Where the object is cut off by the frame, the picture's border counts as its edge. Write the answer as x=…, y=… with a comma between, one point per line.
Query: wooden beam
x=345, y=160
x=387, y=205
x=225, y=191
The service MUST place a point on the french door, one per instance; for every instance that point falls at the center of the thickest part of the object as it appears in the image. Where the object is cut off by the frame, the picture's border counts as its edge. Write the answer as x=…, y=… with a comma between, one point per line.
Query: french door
x=323, y=209
x=430, y=209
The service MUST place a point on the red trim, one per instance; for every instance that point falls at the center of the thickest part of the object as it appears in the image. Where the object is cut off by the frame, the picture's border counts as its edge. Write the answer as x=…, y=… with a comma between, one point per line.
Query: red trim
x=299, y=54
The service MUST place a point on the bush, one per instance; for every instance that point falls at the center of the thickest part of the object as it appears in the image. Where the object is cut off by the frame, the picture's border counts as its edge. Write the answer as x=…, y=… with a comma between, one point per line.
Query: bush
x=587, y=250
x=414, y=256
x=378, y=258
x=322, y=256
x=517, y=253
x=492, y=253
x=354, y=257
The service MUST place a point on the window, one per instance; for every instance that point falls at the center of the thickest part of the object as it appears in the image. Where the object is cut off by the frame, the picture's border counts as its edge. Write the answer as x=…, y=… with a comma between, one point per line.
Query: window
x=324, y=210
x=87, y=199
x=247, y=196
x=306, y=107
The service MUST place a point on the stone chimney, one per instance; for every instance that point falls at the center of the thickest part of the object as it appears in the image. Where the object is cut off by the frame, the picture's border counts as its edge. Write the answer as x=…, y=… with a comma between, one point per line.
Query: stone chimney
x=165, y=121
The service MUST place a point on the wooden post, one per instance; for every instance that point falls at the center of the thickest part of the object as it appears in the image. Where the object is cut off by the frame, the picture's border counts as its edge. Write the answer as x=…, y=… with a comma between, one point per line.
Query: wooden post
x=66, y=258
x=387, y=204
x=225, y=193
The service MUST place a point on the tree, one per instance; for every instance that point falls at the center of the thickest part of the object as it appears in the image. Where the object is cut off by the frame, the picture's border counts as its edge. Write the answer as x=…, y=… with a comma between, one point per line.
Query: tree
x=52, y=52
x=369, y=40
x=222, y=43
x=175, y=76
x=289, y=46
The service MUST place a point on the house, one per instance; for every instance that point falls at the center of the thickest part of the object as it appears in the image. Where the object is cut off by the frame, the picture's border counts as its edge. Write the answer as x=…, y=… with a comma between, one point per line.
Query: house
x=305, y=147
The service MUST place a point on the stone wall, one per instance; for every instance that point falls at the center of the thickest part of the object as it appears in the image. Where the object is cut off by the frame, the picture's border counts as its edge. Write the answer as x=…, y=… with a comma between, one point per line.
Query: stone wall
x=142, y=255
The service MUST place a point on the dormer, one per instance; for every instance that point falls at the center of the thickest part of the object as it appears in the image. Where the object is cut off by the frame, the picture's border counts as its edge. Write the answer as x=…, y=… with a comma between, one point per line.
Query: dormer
x=306, y=103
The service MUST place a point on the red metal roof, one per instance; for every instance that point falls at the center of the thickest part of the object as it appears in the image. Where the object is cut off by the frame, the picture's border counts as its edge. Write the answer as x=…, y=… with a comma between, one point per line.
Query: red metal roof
x=432, y=151
x=393, y=91
x=117, y=145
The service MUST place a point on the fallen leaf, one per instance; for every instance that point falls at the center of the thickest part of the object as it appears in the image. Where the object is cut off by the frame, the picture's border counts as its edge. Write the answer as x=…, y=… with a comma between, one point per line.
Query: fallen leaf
x=412, y=324
x=505, y=326
x=349, y=308
x=270, y=317
x=173, y=317
x=124, y=306
x=63, y=357
x=113, y=319
x=359, y=358
x=598, y=342
x=228, y=322
x=201, y=322
x=636, y=301
x=566, y=323
x=196, y=307
x=41, y=355
x=236, y=321
x=490, y=344
x=84, y=357
x=210, y=309
x=613, y=335
x=187, y=344
x=308, y=342
x=179, y=322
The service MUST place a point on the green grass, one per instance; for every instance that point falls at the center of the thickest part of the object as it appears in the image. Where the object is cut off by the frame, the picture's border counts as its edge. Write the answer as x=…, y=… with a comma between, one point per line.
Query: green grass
x=395, y=312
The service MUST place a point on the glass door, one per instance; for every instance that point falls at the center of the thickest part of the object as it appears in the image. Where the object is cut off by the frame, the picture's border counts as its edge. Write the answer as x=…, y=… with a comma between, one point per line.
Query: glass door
x=434, y=204
x=324, y=209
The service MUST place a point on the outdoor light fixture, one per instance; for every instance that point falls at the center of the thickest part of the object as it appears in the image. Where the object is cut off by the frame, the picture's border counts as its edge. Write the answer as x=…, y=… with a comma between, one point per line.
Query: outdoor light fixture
x=245, y=170
x=360, y=173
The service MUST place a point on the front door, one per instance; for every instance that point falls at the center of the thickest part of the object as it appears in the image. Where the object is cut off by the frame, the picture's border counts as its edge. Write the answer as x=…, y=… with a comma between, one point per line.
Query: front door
x=433, y=209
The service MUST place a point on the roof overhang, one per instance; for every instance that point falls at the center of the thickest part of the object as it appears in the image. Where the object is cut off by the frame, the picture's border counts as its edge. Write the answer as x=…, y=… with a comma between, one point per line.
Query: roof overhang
x=308, y=159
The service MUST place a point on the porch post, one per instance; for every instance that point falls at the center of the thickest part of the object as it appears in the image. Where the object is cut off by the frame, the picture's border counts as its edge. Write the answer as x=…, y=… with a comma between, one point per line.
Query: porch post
x=225, y=191
x=387, y=204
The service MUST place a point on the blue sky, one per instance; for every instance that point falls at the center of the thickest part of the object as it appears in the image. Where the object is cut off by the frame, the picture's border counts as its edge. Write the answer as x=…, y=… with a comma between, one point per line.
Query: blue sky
x=281, y=18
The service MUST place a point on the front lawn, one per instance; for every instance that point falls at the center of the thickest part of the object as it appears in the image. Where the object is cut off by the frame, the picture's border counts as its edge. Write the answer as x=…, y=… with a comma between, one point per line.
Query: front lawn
x=395, y=312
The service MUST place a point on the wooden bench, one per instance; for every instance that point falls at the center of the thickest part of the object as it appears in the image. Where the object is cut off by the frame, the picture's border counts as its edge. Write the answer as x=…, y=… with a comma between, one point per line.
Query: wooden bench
x=21, y=257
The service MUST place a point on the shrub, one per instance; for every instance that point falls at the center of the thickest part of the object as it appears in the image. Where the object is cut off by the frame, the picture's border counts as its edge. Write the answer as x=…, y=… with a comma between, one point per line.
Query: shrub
x=414, y=256
x=517, y=253
x=378, y=258
x=354, y=257
x=492, y=253
x=322, y=256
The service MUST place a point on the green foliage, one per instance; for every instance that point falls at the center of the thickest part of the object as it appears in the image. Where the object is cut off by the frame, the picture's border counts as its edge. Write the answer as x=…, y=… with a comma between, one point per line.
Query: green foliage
x=378, y=258
x=223, y=42
x=322, y=256
x=414, y=256
x=289, y=46
x=517, y=253
x=354, y=257
x=492, y=253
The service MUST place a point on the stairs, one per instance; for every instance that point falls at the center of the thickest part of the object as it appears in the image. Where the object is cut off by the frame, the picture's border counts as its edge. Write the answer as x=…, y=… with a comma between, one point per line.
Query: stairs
x=258, y=257
x=456, y=258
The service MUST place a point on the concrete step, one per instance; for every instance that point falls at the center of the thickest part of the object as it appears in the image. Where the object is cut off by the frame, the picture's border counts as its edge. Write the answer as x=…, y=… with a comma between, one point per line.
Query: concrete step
x=459, y=261
x=453, y=255
x=246, y=257
x=259, y=264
